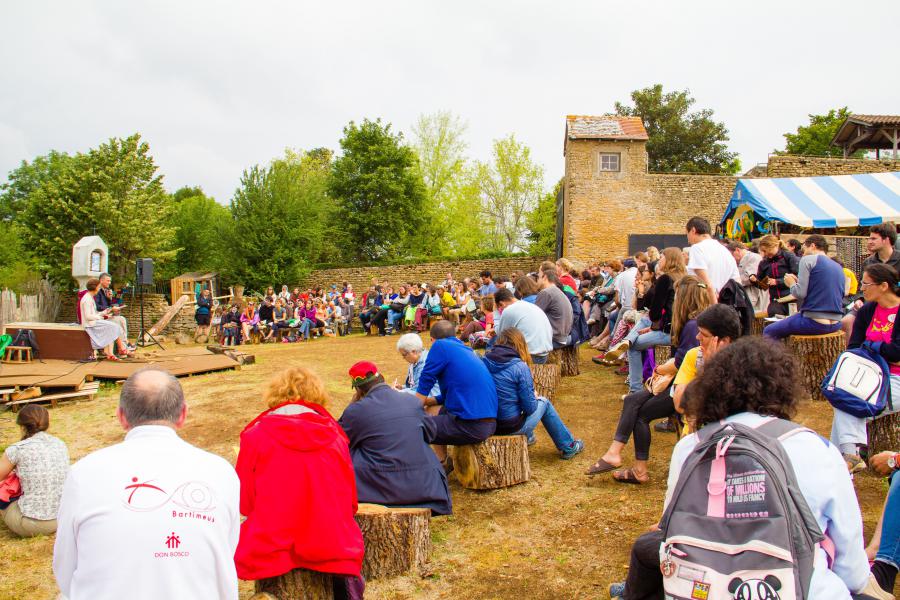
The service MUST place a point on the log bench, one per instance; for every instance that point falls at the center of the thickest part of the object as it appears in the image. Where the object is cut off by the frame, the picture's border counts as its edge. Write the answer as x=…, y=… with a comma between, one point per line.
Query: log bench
x=884, y=433
x=397, y=540
x=567, y=359
x=546, y=379
x=499, y=461
x=815, y=354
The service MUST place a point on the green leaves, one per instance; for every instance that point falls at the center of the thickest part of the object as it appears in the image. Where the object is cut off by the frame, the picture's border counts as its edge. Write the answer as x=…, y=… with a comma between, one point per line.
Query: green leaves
x=680, y=141
x=815, y=139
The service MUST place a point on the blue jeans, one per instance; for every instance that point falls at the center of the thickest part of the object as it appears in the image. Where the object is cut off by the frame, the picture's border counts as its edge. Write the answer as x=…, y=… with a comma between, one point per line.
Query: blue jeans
x=304, y=328
x=798, y=325
x=393, y=317
x=613, y=317
x=889, y=548
x=640, y=342
x=539, y=359
x=547, y=415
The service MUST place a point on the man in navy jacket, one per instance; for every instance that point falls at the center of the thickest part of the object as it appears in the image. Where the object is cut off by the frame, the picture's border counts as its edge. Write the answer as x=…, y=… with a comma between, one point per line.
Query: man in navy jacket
x=388, y=432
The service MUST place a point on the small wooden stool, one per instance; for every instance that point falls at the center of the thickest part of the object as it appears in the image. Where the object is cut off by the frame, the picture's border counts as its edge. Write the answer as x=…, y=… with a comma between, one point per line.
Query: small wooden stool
x=397, y=540
x=884, y=433
x=567, y=358
x=546, y=379
x=815, y=354
x=299, y=583
x=499, y=461
x=17, y=354
x=759, y=323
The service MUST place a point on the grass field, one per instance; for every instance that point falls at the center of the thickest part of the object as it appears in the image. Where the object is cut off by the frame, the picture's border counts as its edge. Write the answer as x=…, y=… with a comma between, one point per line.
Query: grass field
x=561, y=535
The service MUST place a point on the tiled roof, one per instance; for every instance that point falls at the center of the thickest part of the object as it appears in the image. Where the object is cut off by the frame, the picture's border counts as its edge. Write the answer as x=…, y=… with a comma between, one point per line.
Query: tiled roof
x=606, y=127
x=877, y=120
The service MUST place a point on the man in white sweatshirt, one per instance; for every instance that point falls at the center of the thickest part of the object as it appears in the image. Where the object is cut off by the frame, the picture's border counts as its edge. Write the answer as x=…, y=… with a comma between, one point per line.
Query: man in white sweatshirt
x=150, y=517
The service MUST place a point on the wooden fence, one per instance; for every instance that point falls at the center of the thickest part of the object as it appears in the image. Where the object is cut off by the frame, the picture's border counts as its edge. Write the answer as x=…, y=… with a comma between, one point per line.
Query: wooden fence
x=39, y=304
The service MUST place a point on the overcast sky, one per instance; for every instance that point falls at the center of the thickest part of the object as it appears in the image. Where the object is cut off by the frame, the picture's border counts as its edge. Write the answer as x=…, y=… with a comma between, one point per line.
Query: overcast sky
x=215, y=87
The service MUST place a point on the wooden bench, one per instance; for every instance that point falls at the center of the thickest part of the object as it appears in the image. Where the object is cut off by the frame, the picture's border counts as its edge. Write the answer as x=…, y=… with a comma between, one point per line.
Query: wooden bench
x=17, y=354
x=88, y=391
x=546, y=379
x=499, y=461
x=815, y=354
x=397, y=540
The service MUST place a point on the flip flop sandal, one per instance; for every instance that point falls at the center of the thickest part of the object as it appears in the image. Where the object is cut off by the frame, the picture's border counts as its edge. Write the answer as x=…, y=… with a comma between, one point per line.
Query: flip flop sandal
x=601, y=466
x=628, y=477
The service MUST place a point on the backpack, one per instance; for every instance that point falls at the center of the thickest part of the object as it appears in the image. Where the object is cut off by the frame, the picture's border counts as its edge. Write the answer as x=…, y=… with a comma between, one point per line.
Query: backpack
x=737, y=524
x=858, y=382
x=734, y=295
x=26, y=337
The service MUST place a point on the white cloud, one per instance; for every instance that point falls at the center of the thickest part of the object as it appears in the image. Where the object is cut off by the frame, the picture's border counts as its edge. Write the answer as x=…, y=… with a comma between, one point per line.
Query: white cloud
x=216, y=87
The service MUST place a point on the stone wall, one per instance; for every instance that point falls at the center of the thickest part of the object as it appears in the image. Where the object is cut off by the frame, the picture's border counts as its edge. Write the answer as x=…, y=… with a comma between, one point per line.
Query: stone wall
x=361, y=277
x=815, y=166
x=155, y=306
x=603, y=208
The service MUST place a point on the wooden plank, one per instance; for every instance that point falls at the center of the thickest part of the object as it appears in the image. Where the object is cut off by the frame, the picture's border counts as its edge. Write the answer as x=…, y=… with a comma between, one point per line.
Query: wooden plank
x=90, y=389
x=168, y=315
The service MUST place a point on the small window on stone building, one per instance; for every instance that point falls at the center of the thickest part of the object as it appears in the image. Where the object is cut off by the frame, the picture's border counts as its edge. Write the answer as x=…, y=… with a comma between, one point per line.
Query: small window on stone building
x=609, y=161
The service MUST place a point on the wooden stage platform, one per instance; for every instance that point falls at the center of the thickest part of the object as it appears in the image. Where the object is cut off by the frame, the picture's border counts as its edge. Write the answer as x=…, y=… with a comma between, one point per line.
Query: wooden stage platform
x=53, y=373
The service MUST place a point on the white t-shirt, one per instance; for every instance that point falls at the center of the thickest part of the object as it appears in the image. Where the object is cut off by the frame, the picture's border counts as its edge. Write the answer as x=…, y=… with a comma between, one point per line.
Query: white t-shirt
x=825, y=484
x=714, y=258
x=624, y=285
x=151, y=517
x=532, y=322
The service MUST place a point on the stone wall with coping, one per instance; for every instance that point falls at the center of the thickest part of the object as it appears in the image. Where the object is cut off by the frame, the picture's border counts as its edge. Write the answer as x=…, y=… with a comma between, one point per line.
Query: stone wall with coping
x=155, y=306
x=816, y=166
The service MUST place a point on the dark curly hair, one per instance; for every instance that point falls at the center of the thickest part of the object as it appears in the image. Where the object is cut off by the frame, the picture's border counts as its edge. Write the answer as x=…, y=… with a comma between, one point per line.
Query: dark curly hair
x=750, y=375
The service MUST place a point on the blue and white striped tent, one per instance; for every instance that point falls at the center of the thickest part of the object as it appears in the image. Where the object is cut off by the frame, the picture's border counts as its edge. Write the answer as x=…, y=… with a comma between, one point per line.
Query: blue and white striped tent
x=813, y=202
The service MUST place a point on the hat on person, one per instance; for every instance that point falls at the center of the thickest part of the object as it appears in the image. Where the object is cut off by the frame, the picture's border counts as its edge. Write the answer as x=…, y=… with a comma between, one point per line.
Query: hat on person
x=363, y=372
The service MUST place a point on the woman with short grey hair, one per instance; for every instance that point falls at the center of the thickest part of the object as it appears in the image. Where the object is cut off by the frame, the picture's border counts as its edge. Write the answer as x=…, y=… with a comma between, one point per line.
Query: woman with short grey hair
x=413, y=351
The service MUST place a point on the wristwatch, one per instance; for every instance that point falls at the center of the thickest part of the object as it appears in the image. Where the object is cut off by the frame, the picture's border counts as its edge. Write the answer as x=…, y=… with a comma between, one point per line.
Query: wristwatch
x=892, y=462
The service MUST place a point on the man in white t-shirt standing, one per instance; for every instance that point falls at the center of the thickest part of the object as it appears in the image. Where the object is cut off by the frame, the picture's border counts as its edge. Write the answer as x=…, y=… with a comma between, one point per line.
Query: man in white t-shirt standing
x=150, y=517
x=710, y=261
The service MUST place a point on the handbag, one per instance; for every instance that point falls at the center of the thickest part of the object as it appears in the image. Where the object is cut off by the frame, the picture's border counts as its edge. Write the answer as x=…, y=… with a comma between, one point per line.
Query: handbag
x=859, y=382
x=658, y=383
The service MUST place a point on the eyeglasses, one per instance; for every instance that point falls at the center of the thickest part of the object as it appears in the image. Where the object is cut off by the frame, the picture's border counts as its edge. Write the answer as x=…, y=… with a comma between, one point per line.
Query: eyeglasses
x=867, y=283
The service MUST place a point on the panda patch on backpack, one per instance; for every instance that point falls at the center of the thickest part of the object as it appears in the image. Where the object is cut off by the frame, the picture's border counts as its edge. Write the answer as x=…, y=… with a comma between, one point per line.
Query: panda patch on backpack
x=755, y=589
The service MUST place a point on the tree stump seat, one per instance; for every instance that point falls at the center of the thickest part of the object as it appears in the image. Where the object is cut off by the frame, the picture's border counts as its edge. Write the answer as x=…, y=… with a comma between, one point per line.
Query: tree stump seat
x=397, y=540
x=815, y=354
x=662, y=353
x=884, y=433
x=499, y=461
x=567, y=359
x=546, y=379
x=299, y=583
x=759, y=323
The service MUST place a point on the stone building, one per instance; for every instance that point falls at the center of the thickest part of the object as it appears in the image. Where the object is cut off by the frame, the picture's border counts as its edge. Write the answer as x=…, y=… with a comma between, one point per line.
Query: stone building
x=610, y=205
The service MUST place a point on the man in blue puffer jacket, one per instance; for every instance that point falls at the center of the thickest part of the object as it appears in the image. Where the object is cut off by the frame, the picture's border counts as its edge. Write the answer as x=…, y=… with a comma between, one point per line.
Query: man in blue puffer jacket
x=518, y=409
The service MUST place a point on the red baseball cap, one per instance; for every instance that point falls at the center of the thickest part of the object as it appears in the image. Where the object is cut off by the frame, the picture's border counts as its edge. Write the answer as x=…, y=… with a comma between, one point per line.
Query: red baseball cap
x=363, y=372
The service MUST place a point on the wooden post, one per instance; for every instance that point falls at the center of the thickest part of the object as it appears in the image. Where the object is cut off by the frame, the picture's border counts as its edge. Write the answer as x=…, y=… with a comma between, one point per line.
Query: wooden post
x=397, y=540
x=568, y=360
x=168, y=315
x=546, y=379
x=884, y=433
x=299, y=583
x=814, y=355
x=759, y=323
x=499, y=461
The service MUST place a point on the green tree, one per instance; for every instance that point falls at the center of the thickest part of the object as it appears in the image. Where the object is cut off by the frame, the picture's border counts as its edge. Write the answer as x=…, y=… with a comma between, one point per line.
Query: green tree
x=542, y=224
x=680, y=140
x=282, y=220
x=815, y=139
x=510, y=187
x=25, y=180
x=198, y=221
x=16, y=266
x=380, y=191
x=112, y=190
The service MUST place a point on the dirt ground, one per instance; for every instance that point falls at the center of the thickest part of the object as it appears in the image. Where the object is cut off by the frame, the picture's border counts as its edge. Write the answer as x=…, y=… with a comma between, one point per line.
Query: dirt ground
x=561, y=535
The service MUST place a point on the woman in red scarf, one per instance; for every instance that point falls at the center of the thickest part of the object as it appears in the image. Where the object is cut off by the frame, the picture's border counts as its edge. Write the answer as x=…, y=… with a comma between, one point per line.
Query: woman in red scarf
x=298, y=490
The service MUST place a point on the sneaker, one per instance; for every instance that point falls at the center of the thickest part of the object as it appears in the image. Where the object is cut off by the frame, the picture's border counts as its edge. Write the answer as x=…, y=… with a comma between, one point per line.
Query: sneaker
x=664, y=426
x=873, y=590
x=599, y=358
x=617, y=590
x=532, y=440
x=623, y=370
x=576, y=448
x=854, y=463
x=619, y=350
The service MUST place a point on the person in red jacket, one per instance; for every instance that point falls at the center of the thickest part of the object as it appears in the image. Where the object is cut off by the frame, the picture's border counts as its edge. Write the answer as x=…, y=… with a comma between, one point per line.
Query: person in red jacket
x=298, y=490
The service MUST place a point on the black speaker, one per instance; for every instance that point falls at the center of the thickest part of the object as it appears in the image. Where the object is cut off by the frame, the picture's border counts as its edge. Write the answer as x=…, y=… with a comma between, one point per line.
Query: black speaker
x=144, y=271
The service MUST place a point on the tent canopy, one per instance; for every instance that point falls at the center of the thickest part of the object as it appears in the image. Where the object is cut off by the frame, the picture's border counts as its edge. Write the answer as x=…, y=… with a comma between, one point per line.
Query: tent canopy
x=812, y=202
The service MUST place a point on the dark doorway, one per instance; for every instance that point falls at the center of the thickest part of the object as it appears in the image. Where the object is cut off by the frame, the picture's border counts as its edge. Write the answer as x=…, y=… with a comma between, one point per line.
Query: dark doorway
x=638, y=242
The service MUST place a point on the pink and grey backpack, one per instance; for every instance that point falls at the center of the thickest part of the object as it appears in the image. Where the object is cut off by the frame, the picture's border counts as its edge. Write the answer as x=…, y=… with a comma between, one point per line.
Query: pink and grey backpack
x=737, y=526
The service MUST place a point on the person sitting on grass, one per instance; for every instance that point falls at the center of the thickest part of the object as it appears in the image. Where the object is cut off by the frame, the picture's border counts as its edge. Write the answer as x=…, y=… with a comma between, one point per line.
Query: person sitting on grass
x=413, y=351
x=519, y=410
x=39, y=462
x=643, y=407
x=387, y=430
x=749, y=382
x=298, y=487
x=468, y=400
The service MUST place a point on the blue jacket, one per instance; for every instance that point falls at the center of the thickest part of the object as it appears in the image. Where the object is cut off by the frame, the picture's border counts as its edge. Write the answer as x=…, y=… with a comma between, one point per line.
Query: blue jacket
x=467, y=389
x=392, y=461
x=512, y=378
